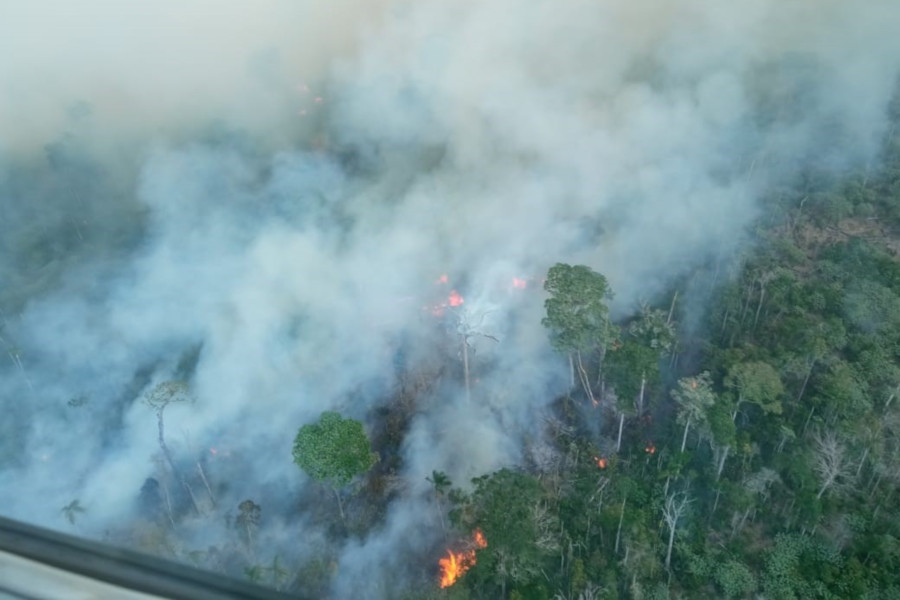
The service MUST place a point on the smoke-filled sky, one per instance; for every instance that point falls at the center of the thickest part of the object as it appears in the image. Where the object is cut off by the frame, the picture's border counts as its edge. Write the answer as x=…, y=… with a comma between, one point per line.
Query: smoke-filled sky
x=259, y=197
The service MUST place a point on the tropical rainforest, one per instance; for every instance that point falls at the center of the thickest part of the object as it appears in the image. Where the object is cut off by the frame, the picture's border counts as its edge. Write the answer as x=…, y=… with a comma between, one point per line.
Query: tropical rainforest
x=458, y=300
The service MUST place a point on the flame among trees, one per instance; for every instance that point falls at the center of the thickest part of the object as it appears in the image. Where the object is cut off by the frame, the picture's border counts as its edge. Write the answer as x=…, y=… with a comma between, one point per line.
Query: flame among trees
x=456, y=564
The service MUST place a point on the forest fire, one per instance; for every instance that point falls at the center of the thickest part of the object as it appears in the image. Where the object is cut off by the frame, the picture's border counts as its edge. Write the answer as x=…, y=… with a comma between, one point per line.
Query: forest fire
x=456, y=564
x=601, y=462
x=650, y=448
x=455, y=299
x=519, y=284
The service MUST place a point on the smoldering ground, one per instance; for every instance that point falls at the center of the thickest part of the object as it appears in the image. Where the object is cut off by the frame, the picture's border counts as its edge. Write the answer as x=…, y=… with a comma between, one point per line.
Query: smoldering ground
x=260, y=200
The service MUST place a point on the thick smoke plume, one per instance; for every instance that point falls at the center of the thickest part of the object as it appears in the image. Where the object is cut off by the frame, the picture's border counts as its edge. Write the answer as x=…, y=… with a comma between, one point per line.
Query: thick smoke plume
x=260, y=198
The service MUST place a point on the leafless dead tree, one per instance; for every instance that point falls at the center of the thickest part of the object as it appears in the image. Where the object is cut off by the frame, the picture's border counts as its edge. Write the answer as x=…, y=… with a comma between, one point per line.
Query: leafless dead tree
x=830, y=459
x=676, y=505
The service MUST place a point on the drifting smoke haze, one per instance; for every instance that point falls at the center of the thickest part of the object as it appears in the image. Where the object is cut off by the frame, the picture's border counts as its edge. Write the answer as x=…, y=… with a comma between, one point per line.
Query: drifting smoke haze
x=259, y=199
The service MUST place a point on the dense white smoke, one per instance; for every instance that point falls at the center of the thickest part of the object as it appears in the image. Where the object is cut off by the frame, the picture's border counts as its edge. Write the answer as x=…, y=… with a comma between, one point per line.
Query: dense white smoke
x=260, y=198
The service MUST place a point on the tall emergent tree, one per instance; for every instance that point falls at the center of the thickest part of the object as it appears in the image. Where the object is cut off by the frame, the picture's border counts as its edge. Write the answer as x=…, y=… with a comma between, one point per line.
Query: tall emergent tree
x=633, y=363
x=694, y=396
x=161, y=396
x=577, y=315
x=334, y=451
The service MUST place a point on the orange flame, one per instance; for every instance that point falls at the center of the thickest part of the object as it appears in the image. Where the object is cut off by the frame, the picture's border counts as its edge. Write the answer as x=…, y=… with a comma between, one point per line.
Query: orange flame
x=601, y=462
x=650, y=448
x=455, y=299
x=456, y=564
x=519, y=284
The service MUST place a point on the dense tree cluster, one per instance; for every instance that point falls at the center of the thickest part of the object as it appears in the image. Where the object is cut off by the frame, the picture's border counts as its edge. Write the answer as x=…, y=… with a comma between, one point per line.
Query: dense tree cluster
x=761, y=460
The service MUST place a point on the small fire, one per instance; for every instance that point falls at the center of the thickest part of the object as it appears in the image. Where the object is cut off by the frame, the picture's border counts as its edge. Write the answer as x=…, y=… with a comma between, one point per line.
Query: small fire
x=601, y=462
x=650, y=448
x=455, y=299
x=693, y=385
x=479, y=538
x=456, y=564
x=519, y=284
x=443, y=279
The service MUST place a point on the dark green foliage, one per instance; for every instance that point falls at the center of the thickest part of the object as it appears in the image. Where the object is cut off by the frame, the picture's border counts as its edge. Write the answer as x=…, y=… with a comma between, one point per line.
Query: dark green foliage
x=577, y=313
x=507, y=507
x=334, y=450
x=735, y=579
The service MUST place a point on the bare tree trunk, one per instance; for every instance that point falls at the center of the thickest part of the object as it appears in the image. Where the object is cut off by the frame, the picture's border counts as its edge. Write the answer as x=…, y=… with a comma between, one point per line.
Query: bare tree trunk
x=805, y=381
x=781, y=444
x=212, y=498
x=14, y=355
x=684, y=437
x=672, y=512
x=621, y=422
x=619, y=530
x=337, y=495
x=716, y=503
x=762, y=297
x=722, y=462
x=583, y=377
x=737, y=407
x=672, y=308
x=465, y=351
x=724, y=323
x=437, y=500
x=571, y=372
x=641, y=395
x=669, y=549
x=165, y=449
x=165, y=488
x=740, y=525
x=806, y=424
x=862, y=461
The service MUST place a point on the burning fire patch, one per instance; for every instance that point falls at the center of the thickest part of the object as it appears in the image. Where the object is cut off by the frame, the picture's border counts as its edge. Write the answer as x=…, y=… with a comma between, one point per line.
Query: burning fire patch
x=456, y=564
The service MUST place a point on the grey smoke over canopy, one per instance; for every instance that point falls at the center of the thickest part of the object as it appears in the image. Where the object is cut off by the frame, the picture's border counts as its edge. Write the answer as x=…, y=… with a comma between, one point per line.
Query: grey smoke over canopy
x=262, y=197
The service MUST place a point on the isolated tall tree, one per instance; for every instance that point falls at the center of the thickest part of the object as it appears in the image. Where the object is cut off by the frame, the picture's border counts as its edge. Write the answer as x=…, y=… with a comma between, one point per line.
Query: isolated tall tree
x=334, y=451
x=160, y=397
x=694, y=396
x=633, y=362
x=248, y=518
x=720, y=427
x=468, y=327
x=577, y=315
